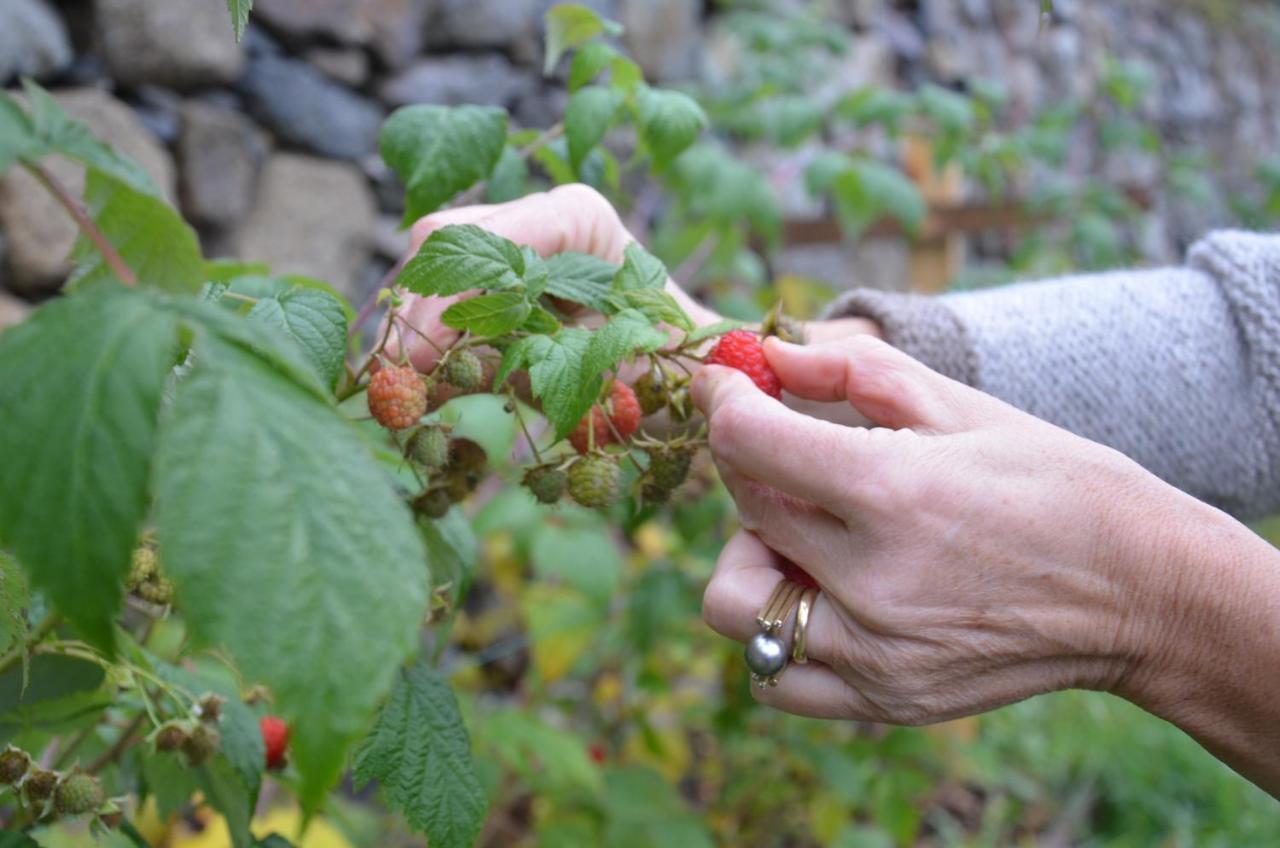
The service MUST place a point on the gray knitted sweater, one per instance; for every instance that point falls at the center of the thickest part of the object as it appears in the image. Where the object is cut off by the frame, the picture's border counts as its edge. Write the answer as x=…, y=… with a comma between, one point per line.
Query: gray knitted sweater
x=1179, y=368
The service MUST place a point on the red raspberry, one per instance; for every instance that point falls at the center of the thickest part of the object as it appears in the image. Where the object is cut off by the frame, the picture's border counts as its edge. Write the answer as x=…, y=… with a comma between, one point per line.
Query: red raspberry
x=624, y=414
x=598, y=753
x=741, y=349
x=397, y=397
x=275, y=736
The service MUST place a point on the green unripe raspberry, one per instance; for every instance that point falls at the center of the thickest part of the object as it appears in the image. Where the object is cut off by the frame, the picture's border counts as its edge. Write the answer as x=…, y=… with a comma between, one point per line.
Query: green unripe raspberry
x=429, y=447
x=171, y=737
x=78, y=793
x=593, y=481
x=201, y=744
x=433, y=503
x=143, y=566
x=546, y=482
x=14, y=763
x=669, y=467
x=464, y=371
x=651, y=392
x=39, y=784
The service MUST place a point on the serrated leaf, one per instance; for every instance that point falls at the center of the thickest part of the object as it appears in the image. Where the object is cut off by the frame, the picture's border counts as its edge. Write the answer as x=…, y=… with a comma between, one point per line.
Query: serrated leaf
x=463, y=257
x=14, y=598
x=60, y=134
x=625, y=334
x=315, y=321
x=420, y=753
x=867, y=189
x=488, y=315
x=304, y=564
x=510, y=177
x=656, y=305
x=535, y=276
x=669, y=121
x=581, y=278
x=239, y=10
x=518, y=355
x=587, y=118
x=453, y=549
x=150, y=236
x=571, y=25
x=640, y=270
x=559, y=378
x=77, y=433
x=439, y=151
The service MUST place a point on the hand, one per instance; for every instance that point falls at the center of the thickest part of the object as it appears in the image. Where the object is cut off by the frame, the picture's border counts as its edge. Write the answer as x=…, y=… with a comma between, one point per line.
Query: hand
x=969, y=555
x=571, y=218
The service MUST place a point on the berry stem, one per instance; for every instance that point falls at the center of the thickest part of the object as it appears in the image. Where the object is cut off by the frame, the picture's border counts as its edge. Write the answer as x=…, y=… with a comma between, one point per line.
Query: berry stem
x=127, y=737
x=42, y=630
x=515, y=410
x=86, y=225
x=243, y=298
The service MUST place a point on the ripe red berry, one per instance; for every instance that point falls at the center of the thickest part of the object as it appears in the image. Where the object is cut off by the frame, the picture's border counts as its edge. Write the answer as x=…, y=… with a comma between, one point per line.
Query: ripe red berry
x=275, y=737
x=624, y=414
x=598, y=753
x=741, y=349
x=397, y=397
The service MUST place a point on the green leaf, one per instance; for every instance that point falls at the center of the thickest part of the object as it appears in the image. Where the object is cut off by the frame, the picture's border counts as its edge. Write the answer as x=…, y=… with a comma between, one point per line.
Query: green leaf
x=669, y=121
x=15, y=595
x=581, y=278
x=587, y=118
x=420, y=753
x=719, y=328
x=227, y=794
x=640, y=270
x=540, y=321
x=77, y=433
x=488, y=315
x=304, y=564
x=460, y=258
x=13, y=839
x=571, y=25
x=589, y=62
x=868, y=189
x=510, y=177
x=586, y=558
x=18, y=138
x=439, y=151
x=51, y=690
x=624, y=335
x=872, y=105
x=239, y=10
x=169, y=781
x=453, y=549
x=58, y=133
x=150, y=236
x=952, y=112
x=315, y=321
x=822, y=172
x=536, y=276
x=559, y=378
x=542, y=754
x=656, y=305
x=516, y=356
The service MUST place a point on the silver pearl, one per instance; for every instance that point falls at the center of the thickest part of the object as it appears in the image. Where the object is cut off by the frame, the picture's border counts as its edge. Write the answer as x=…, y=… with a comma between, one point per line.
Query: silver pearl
x=765, y=655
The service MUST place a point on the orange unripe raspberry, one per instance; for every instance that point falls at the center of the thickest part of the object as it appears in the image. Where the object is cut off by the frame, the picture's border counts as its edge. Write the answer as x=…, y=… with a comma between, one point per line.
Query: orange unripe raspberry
x=397, y=397
x=624, y=414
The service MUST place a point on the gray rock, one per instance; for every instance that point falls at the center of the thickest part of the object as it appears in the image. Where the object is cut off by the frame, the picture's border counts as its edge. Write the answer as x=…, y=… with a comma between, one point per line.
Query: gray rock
x=157, y=108
x=220, y=152
x=482, y=23
x=179, y=43
x=311, y=217
x=39, y=232
x=663, y=36
x=304, y=107
x=393, y=28
x=12, y=310
x=349, y=66
x=33, y=41
x=488, y=79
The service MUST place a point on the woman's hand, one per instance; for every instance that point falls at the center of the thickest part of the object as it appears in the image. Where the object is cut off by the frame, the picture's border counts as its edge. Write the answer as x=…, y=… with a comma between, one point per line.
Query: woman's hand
x=969, y=554
x=571, y=218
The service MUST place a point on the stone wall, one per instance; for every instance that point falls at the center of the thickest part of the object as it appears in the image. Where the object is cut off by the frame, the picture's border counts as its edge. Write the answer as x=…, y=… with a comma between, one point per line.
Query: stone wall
x=269, y=146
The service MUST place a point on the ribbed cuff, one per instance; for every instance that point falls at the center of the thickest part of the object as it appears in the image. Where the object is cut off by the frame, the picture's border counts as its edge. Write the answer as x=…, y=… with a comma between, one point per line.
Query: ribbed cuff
x=919, y=325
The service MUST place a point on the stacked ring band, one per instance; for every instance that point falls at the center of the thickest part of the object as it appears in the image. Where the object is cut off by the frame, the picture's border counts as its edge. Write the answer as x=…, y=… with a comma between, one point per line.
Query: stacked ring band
x=765, y=654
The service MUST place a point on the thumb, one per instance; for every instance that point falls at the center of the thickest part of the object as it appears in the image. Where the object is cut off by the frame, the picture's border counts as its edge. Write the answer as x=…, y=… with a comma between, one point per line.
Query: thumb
x=882, y=383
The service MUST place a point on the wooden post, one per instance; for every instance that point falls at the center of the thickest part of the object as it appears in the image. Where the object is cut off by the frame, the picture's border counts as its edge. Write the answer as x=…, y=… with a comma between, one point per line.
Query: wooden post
x=938, y=256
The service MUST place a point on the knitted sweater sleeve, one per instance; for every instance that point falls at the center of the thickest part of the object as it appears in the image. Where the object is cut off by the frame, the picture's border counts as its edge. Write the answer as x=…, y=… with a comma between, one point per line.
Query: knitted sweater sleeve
x=1179, y=368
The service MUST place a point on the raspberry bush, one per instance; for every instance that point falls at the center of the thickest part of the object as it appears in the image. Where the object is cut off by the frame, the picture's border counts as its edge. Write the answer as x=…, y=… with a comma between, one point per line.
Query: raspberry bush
x=231, y=548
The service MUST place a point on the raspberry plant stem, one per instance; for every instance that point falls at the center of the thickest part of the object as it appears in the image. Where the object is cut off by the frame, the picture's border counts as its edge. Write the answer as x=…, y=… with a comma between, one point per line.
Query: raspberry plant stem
x=77, y=212
x=37, y=636
x=127, y=737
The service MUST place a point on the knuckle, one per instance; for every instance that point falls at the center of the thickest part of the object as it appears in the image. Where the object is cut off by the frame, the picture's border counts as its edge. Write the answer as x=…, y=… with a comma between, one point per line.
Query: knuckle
x=730, y=423
x=581, y=194
x=715, y=606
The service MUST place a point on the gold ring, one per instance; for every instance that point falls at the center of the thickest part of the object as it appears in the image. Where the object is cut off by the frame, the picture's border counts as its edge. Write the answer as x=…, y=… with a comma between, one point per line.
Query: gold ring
x=765, y=653
x=800, y=640
x=778, y=608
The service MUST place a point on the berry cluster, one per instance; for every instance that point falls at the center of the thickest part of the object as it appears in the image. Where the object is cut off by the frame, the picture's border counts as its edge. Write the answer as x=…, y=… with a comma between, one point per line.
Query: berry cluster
x=50, y=793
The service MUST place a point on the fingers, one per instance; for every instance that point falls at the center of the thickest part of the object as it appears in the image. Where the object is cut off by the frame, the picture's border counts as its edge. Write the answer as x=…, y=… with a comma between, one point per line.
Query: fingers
x=815, y=691
x=746, y=574
x=794, y=528
x=758, y=437
x=882, y=383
